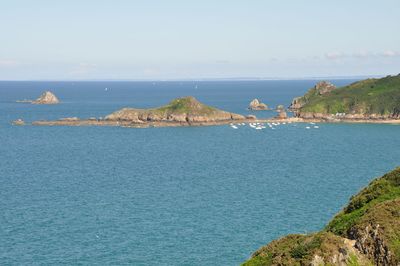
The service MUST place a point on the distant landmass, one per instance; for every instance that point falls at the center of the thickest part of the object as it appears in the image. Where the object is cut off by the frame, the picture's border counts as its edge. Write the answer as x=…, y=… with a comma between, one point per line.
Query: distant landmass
x=370, y=99
x=365, y=232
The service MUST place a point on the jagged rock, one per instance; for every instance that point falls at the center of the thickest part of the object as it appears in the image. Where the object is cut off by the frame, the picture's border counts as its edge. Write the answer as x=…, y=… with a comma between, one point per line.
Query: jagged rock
x=375, y=233
x=297, y=103
x=321, y=88
x=18, y=122
x=256, y=105
x=46, y=98
x=251, y=117
x=282, y=115
x=324, y=87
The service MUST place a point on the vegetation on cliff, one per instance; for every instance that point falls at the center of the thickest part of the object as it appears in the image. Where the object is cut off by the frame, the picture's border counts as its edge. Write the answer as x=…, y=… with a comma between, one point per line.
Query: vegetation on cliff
x=365, y=232
x=370, y=96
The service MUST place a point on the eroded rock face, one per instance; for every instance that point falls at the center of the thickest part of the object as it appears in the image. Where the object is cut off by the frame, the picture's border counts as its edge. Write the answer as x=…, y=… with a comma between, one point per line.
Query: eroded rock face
x=297, y=103
x=256, y=105
x=321, y=88
x=46, y=98
x=376, y=233
x=324, y=87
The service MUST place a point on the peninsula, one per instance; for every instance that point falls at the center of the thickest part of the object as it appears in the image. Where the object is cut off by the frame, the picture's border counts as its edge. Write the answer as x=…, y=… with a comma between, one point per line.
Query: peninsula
x=365, y=232
x=186, y=111
x=370, y=100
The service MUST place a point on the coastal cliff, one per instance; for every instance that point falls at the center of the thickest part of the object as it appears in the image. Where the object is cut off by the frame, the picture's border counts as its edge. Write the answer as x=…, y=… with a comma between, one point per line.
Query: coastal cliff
x=370, y=99
x=365, y=232
x=186, y=111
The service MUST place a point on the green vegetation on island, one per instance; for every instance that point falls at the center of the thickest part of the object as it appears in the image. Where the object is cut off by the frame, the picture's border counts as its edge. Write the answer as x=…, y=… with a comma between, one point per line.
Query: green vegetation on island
x=365, y=232
x=185, y=109
x=377, y=97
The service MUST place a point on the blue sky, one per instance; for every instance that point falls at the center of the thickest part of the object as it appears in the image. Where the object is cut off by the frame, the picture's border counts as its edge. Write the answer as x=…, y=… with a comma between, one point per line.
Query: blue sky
x=154, y=39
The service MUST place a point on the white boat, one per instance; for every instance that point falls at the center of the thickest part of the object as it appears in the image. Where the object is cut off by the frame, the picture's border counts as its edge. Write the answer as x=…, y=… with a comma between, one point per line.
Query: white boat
x=307, y=127
x=316, y=126
x=234, y=127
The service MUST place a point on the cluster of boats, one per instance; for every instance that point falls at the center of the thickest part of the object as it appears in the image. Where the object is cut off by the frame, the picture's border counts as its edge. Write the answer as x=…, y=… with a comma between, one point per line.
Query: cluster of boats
x=273, y=125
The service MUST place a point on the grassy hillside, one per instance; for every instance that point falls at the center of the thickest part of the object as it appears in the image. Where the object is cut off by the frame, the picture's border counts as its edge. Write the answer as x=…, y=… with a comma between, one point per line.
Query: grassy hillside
x=371, y=220
x=370, y=96
x=185, y=105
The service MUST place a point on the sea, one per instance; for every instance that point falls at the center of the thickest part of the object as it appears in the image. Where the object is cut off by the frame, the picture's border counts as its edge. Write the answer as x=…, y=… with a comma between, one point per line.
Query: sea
x=171, y=196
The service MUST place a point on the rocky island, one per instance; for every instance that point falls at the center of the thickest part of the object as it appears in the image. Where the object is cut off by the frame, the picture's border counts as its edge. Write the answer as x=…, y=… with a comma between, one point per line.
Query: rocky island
x=256, y=105
x=370, y=100
x=365, y=232
x=46, y=98
x=186, y=111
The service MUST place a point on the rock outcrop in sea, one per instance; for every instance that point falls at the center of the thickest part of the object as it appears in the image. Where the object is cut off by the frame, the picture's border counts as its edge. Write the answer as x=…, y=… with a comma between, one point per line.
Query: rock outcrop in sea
x=18, y=122
x=46, y=98
x=365, y=232
x=256, y=105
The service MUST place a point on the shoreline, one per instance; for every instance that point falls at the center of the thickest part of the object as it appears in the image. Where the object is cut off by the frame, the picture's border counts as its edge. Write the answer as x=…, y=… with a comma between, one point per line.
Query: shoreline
x=147, y=124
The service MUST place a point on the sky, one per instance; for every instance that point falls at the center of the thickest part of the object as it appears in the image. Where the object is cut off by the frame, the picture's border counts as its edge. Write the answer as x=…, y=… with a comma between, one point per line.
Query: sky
x=187, y=39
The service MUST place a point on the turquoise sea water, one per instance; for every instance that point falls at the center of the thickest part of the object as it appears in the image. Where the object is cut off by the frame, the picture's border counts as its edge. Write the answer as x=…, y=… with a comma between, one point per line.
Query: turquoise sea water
x=171, y=196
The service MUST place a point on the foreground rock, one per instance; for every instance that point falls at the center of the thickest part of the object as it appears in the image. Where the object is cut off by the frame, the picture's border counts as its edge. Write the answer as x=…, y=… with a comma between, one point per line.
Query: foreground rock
x=46, y=98
x=256, y=105
x=366, y=232
x=186, y=111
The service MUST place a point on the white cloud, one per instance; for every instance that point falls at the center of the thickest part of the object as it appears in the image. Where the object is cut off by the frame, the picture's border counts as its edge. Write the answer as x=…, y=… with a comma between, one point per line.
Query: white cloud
x=362, y=54
x=390, y=53
x=334, y=55
x=8, y=63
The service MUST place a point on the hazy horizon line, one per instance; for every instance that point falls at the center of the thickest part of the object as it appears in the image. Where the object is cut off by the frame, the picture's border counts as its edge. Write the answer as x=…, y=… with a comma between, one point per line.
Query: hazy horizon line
x=210, y=79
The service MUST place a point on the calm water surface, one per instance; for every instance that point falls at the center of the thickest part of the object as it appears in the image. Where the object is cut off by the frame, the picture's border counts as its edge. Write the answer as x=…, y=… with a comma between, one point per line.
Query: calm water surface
x=171, y=196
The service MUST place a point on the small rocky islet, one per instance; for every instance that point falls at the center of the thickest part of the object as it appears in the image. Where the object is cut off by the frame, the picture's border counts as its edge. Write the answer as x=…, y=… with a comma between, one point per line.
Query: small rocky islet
x=365, y=232
x=257, y=105
x=46, y=98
